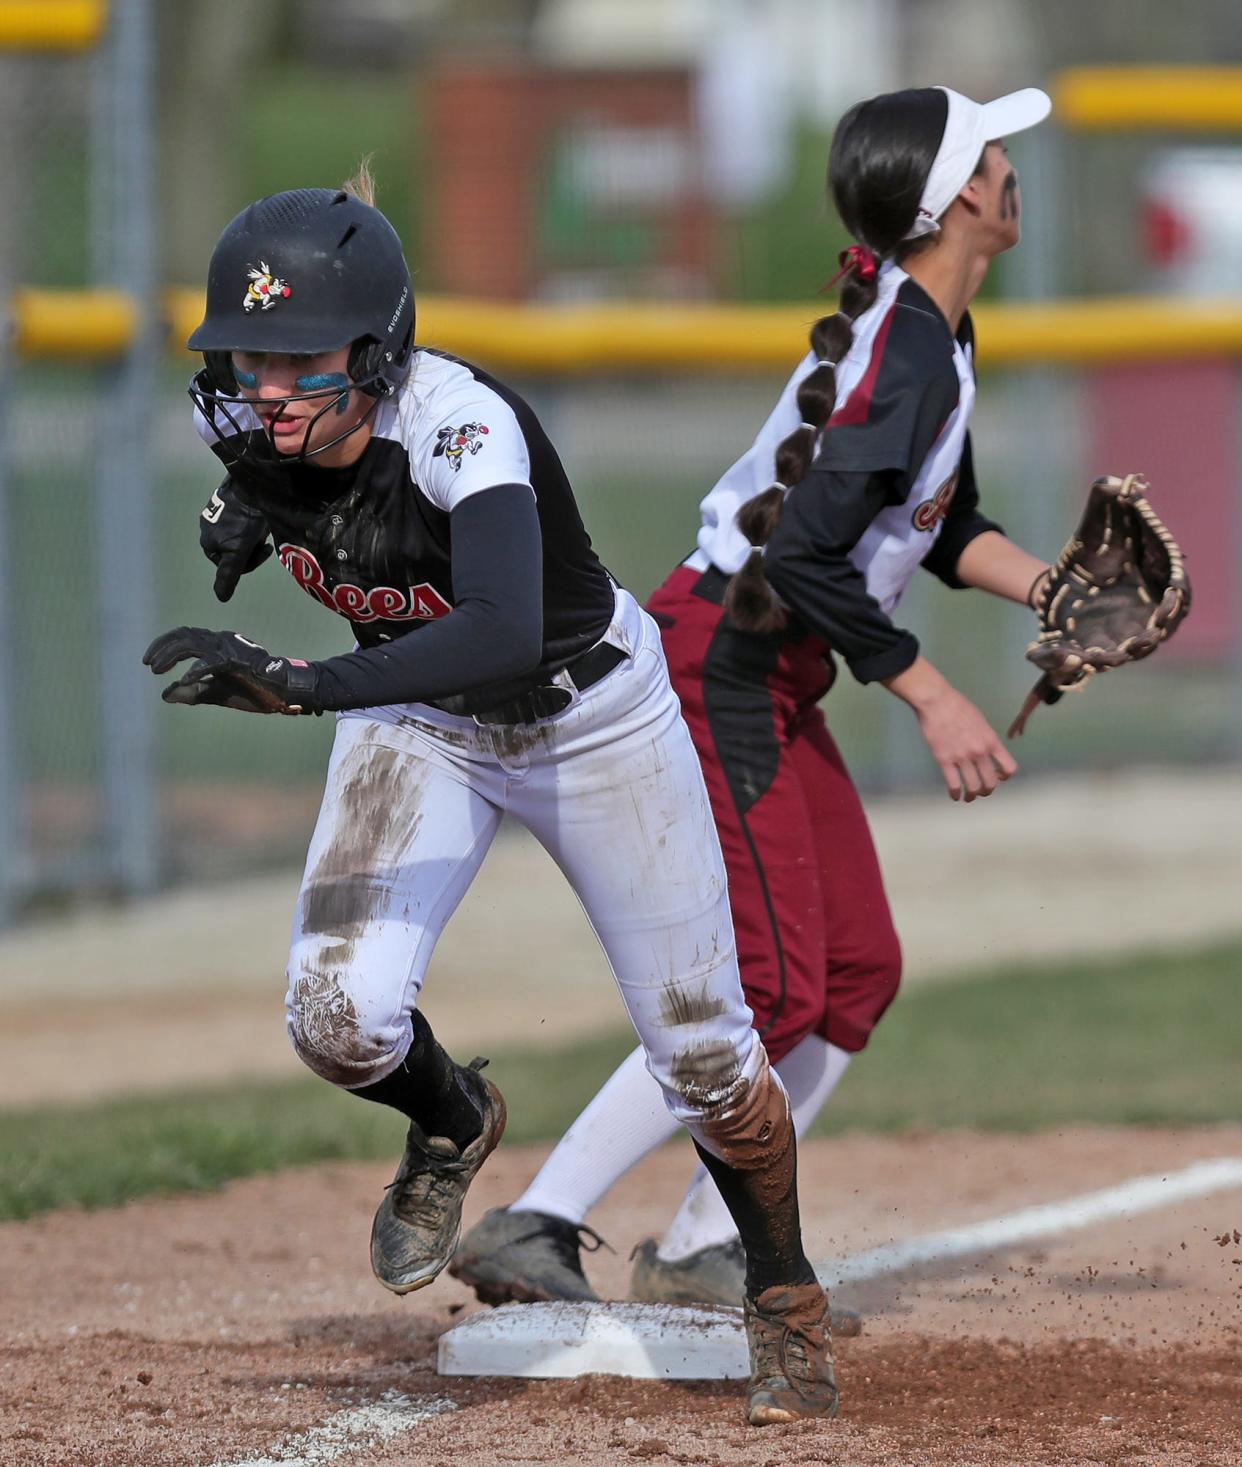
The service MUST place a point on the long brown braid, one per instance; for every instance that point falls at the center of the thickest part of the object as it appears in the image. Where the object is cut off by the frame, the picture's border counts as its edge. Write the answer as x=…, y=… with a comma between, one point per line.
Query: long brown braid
x=750, y=601
x=881, y=155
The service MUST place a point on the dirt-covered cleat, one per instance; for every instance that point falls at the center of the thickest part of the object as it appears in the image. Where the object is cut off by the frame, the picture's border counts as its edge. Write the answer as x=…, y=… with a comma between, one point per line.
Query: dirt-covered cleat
x=715, y=1275
x=417, y=1224
x=525, y=1258
x=791, y=1373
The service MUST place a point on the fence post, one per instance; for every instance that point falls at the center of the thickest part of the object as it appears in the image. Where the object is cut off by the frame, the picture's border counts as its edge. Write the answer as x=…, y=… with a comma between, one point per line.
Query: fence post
x=124, y=502
x=12, y=845
x=1234, y=737
x=1046, y=459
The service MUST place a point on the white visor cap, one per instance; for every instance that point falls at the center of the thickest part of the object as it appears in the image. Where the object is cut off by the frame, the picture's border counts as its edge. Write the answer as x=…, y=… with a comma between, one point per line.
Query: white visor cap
x=968, y=128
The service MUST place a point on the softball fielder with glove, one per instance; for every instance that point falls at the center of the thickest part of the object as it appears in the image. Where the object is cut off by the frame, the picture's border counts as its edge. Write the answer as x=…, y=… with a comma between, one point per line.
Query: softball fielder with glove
x=862, y=474
x=499, y=669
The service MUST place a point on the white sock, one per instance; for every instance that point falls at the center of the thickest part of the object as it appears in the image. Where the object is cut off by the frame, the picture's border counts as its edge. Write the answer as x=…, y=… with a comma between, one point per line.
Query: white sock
x=810, y=1072
x=626, y=1120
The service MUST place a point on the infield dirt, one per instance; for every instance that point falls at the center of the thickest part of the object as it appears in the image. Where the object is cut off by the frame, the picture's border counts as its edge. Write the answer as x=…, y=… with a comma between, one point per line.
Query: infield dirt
x=215, y=1329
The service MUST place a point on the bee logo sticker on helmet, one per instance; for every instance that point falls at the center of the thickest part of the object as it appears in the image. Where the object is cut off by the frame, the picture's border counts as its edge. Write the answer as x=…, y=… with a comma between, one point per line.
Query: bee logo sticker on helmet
x=453, y=443
x=264, y=289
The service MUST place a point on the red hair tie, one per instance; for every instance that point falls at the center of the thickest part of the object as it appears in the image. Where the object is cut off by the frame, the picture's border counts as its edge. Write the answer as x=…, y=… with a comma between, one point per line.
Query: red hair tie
x=860, y=260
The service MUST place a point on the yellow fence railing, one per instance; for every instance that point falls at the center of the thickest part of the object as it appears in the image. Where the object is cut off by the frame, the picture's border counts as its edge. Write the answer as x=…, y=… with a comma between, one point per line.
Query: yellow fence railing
x=1148, y=98
x=51, y=25
x=652, y=337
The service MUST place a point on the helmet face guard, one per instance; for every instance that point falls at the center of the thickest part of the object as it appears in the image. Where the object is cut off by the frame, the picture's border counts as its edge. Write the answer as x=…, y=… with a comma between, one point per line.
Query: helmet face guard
x=301, y=273
x=242, y=442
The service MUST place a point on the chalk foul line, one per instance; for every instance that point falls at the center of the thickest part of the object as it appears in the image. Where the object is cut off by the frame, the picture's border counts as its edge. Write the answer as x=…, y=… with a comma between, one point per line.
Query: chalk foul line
x=1139, y=1194
x=352, y=1430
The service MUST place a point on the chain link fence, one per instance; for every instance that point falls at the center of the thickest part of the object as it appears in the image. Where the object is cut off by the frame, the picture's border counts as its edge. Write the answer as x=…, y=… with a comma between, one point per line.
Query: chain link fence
x=53, y=94
x=104, y=790
x=240, y=793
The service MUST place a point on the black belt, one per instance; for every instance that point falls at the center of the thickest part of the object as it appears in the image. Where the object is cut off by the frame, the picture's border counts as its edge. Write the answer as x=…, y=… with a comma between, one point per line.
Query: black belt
x=538, y=700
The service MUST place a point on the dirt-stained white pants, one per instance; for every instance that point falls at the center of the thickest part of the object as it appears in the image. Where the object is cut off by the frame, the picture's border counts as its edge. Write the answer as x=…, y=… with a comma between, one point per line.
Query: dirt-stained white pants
x=611, y=788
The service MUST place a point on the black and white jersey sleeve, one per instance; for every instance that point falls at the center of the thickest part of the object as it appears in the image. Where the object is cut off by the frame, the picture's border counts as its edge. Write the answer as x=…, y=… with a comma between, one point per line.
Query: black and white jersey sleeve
x=461, y=437
x=851, y=515
x=854, y=530
x=882, y=486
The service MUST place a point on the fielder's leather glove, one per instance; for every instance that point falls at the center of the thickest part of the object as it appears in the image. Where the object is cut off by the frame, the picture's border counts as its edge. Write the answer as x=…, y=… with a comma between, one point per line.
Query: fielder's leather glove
x=1117, y=590
x=234, y=538
x=231, y=672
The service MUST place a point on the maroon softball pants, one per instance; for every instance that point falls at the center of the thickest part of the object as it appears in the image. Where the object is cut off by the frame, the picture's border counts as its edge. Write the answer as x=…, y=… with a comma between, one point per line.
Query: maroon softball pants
x=816, y=944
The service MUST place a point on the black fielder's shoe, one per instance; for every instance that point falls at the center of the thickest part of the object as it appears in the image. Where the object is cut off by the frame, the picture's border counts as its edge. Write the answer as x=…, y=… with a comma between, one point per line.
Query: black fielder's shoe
x=791, y=1369
x=525, y=1258
x=417, y=1224
x=715, y=1275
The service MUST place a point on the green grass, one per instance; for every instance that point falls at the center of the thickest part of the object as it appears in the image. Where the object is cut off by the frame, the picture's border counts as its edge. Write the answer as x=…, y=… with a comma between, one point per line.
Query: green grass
x=1120, y=1043
x=1138, y=1041
x=105, y=1154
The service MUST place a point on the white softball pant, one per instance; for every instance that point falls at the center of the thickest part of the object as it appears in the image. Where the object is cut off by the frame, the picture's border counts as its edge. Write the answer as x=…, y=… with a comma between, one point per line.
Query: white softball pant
x=611, y=788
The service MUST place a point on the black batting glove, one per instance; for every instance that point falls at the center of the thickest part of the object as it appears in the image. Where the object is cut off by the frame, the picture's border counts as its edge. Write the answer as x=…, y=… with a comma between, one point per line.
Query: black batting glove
x=231, y=672
x=234, y=538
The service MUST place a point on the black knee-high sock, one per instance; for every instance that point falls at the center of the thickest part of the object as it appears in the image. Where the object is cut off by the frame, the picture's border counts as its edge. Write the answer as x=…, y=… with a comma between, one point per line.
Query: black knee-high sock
x=769, y=1226
x=440, y=1096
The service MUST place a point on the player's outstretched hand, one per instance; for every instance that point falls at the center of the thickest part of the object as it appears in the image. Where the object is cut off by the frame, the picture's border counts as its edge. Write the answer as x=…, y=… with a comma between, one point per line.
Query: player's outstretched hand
x=233, y=537
x=968, y=750
x=231, y=672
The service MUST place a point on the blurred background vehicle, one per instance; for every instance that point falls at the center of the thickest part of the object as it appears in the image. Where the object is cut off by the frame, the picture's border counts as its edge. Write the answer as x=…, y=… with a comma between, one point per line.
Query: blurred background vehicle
x=1191, y=219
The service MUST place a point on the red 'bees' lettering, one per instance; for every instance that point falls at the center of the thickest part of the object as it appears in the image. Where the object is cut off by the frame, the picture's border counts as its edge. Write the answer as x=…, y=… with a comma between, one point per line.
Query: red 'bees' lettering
x=933, y=510
x=383, y=603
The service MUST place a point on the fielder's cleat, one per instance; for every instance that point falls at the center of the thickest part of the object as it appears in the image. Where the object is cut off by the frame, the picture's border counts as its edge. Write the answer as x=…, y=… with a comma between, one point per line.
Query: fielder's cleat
x=715, y=1275
x=791, y=1374
x=525, y=1258
x=417, y=1224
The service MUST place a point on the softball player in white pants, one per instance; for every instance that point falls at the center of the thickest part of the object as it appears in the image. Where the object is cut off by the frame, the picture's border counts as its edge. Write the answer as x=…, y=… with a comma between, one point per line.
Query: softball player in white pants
x=497, y=669
x=613, y=790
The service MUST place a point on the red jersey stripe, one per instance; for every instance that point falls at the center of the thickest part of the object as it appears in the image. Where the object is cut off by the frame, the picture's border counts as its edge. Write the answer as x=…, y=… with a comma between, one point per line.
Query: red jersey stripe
x=857, y=405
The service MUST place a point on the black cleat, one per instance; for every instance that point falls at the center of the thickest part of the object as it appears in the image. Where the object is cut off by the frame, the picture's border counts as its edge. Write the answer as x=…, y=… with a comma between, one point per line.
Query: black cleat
x=417, y=1224
x=525, y=1258
x=791, y=1368
x=715, y=1275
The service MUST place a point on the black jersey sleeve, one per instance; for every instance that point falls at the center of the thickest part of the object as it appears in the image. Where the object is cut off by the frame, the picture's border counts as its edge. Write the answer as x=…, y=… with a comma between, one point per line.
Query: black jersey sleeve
x=807, y=563
x=962, y=524
x=494, y=631
x=892, y=417
x=868, y=458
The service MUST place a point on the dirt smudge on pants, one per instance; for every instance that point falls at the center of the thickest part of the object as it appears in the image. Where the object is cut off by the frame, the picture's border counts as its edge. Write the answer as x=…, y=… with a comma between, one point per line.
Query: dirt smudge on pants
x=342, y=906
x=377, y=818
x=455, y=738
x=680, y=1005
x=705, y=1074
x=327, y=1032
x=516, y=740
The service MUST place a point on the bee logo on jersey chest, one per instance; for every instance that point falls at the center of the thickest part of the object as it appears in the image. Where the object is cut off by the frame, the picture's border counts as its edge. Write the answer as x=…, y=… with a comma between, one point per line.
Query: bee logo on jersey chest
x=264, y=289
x=453, y=443
x=929, y=514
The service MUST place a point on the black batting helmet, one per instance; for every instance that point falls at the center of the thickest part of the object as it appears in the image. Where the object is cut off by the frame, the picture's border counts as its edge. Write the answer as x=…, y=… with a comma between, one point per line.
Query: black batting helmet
x=306, y=271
